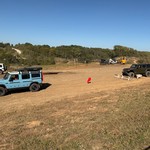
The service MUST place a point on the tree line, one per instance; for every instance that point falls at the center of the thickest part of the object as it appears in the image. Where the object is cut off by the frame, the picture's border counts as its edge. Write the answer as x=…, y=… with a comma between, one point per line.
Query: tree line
x=46, y=55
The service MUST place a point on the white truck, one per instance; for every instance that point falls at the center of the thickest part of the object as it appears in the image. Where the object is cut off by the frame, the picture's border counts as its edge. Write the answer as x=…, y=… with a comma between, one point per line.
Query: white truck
x=2, y=68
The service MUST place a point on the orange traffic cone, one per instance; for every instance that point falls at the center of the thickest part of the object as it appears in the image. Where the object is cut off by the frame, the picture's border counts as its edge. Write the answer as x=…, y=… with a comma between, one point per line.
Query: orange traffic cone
x=89, y=80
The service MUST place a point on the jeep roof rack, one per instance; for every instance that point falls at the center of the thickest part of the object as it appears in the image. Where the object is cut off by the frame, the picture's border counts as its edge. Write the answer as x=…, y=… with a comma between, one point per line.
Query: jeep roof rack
x=30, y=69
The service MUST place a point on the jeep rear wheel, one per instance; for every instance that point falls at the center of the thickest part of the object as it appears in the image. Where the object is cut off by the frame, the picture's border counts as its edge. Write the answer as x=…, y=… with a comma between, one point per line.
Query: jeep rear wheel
x=34, y=87
x=2, y=91
x=131, y=74
x=147, y=74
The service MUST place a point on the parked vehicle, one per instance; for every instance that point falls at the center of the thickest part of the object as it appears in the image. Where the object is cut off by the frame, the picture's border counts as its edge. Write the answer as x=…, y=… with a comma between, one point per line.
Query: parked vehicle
x=2, y=68
x=30, y=78
x=143, y=69
x=122, y=60
x=108, y=61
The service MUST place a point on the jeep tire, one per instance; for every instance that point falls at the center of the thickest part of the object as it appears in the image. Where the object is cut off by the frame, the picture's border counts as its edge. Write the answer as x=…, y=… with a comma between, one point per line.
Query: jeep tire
x=131, y=74
x=147, y=73
x=1, y=72
x=34, y=87
x=2, y=91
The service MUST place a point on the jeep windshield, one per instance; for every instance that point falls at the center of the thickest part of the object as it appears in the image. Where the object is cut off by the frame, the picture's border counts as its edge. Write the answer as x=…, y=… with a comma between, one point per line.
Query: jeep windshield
x=133, y=66
x=6, y=76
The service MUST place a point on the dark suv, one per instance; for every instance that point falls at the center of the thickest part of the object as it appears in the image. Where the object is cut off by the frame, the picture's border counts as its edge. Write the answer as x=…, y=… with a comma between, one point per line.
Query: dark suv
x=143, y=69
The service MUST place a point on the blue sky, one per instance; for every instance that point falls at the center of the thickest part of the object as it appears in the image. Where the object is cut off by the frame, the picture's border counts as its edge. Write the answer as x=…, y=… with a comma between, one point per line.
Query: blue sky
x=89, y=23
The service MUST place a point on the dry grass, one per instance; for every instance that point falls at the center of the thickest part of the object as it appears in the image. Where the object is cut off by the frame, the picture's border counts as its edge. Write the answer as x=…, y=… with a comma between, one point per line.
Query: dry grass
x=114, y=120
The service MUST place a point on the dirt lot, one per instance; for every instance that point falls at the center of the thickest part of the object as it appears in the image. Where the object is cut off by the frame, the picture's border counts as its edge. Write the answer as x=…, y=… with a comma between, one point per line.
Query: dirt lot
x=60, y=83
x=69, y=114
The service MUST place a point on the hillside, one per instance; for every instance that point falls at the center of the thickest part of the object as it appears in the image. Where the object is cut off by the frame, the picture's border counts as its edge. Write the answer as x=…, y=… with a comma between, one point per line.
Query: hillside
x=46, y=55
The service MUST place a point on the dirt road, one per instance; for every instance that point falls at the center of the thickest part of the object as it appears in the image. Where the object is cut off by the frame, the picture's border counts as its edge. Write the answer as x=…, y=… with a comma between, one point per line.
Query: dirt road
x=69, y=82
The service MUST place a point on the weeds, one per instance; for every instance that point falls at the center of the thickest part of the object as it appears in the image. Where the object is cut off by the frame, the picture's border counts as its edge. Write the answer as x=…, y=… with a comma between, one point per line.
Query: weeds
x=119, y=121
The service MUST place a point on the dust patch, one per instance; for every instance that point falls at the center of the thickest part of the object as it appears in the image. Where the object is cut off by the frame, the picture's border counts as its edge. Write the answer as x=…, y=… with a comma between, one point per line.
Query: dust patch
x=33, y=124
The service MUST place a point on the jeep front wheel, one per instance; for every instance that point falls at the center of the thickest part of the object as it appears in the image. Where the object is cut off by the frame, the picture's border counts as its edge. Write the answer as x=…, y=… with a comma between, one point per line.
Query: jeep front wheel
x=147, y=74
x=131, y=74
x=2, y=91
x=34, y=87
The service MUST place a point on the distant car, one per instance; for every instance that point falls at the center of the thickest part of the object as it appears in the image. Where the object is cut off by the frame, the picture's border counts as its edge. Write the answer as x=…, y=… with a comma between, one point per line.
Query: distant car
x=108, y=61
x=112, y=61
x=104, y=61
x=143, y=69
x=30, y=78
x=2, y=68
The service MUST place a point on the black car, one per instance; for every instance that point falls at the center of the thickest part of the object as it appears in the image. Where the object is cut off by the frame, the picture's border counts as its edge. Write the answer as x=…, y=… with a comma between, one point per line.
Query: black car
x=143, y=69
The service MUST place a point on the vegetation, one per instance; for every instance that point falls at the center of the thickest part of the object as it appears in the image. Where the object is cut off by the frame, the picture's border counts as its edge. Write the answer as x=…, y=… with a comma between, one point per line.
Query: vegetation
x=113, y=120
x=46, y=55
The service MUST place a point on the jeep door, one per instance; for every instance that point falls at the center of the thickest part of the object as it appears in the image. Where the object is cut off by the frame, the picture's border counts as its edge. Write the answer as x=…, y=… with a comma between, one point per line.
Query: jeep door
x=26, y=79
x=14, y=81
x=141, y=69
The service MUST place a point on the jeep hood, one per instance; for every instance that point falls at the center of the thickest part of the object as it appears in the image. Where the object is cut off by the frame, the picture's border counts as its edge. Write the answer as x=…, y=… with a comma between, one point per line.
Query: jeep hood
x=2, y=81
x=126, y=68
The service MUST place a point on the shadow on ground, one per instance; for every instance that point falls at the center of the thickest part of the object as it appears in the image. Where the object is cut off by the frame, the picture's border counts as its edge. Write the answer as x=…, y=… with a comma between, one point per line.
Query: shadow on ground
x=45, y=86
x=51, y=73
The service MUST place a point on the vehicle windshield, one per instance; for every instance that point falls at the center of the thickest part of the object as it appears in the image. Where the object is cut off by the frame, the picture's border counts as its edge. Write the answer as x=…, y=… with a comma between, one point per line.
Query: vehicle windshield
x=133, y=66
x=6, y=76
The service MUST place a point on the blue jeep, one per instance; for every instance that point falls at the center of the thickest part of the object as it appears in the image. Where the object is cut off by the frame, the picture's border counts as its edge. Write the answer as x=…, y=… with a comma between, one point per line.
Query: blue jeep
x=30, y=77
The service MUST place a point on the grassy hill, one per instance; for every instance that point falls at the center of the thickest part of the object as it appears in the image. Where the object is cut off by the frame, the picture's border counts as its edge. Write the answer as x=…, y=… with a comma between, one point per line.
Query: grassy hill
x=45, y=55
